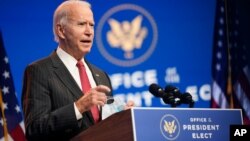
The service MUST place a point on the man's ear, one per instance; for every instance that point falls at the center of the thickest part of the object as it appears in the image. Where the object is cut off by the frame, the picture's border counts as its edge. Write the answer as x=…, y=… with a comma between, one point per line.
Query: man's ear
x=60, y=31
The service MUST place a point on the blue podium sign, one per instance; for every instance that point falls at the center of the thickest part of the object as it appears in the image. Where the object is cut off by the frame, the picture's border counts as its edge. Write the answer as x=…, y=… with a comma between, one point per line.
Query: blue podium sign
x=161, y=124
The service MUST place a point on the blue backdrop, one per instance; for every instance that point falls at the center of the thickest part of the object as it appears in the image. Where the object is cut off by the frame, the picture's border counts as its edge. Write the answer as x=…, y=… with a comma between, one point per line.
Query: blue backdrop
x=163, y=41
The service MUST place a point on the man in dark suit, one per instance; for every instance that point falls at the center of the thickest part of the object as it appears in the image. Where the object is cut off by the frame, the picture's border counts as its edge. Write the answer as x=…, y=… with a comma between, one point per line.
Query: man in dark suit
x=55, y=105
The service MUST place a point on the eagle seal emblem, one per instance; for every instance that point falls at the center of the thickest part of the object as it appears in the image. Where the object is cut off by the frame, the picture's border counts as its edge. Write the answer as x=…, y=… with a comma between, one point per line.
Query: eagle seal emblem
x=170, y=127
x=126, y=40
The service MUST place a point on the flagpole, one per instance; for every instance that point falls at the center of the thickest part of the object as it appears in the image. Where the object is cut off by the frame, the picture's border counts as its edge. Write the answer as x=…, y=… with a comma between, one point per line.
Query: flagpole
x=229, y=77
x=5, y=128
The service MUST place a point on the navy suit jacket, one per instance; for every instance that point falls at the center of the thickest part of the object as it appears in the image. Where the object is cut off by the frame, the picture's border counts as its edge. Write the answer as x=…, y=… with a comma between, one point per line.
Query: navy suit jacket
x=48, y=94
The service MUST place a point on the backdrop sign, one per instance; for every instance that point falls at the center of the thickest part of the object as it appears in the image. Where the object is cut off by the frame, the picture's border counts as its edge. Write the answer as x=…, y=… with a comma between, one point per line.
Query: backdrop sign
x=140, y=44
x=136, y=42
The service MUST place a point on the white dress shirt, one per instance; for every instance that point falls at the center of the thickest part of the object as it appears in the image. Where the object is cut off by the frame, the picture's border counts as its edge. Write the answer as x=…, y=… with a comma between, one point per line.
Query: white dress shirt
x=70, y=63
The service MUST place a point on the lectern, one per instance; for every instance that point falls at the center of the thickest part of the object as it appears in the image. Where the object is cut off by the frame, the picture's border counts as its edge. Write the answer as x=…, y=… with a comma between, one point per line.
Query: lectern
x=161, y=124
x=117, y=127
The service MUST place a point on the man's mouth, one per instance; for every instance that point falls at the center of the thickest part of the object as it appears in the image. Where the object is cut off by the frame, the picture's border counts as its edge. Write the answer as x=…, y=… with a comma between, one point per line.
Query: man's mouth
x=86, y=41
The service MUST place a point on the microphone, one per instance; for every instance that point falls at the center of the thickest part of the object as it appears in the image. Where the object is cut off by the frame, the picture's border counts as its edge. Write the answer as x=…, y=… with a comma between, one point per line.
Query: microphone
x=157, y=91
x=176, y=92
x=185, y=98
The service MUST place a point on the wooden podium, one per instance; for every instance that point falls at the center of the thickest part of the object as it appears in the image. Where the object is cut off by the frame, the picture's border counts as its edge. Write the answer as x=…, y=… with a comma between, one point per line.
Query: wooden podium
x=116, y=127
x=161, y=124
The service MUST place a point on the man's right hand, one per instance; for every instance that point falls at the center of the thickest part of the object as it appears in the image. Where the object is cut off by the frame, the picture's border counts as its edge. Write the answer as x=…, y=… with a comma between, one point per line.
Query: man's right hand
x=95, y=96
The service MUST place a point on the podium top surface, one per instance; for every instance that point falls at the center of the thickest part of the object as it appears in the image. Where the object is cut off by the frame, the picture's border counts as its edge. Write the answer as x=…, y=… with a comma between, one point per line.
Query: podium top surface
x=169, y=108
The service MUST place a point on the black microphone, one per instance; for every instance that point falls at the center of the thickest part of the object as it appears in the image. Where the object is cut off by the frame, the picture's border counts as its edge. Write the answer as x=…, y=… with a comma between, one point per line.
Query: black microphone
x=176, y=92
x=157, y=91
x=185, y=98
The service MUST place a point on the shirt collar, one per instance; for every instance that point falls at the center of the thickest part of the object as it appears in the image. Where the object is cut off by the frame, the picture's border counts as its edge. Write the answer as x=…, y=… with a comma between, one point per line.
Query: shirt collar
x=68, y=60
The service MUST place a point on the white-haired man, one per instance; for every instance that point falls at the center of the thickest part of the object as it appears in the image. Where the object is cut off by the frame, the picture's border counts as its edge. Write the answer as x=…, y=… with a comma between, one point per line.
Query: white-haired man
x=59, y=99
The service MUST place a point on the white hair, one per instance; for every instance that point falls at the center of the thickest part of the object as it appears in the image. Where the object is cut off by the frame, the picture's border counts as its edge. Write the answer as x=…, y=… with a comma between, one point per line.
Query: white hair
x=61, y=13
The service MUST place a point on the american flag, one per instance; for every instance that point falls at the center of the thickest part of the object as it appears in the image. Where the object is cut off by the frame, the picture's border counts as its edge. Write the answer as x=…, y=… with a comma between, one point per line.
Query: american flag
x=11, y=121
x=230, y=64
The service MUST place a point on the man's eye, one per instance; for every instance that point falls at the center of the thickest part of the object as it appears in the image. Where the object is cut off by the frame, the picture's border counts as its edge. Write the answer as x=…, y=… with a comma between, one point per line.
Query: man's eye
x=81, y=23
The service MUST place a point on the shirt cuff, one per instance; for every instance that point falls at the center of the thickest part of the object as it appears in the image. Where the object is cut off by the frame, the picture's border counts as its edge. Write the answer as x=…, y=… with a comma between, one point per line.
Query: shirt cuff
x=78, y=114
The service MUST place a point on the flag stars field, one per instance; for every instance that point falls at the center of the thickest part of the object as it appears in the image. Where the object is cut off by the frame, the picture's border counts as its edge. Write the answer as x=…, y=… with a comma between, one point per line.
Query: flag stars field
x=6, y=74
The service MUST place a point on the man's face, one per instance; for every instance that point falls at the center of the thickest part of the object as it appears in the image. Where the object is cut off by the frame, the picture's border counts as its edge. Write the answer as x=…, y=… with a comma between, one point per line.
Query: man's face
x=79, y=31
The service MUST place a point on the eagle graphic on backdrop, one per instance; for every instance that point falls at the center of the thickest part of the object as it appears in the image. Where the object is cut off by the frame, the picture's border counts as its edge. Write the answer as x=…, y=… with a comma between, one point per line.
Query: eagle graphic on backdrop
x=170, y=127
x=127, y=36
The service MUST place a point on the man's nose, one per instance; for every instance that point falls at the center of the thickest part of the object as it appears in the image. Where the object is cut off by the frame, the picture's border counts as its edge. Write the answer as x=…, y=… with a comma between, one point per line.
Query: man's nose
x=88, y=30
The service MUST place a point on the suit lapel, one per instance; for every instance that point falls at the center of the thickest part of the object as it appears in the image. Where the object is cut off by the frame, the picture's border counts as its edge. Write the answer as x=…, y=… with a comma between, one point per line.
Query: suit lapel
x=64, y=75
